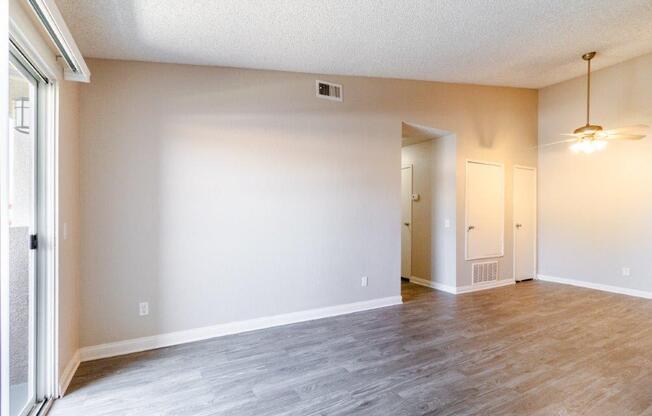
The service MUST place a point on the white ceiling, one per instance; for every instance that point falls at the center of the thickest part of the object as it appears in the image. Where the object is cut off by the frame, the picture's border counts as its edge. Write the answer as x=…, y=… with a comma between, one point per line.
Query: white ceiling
x=524, y=43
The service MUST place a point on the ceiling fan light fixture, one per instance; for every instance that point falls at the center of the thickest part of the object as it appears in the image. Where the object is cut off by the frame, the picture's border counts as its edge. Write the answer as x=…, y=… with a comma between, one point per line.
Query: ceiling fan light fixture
x=599, y=144
x=588, y=146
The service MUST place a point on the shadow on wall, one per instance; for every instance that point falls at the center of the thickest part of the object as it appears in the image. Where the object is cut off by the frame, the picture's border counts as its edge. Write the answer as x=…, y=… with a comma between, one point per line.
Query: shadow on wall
x=412, y=133
x=431, y=153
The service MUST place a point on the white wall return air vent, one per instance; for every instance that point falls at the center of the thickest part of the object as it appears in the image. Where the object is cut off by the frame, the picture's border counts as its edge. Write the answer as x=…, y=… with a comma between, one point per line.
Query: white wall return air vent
x=485, y=272
x=328, y=90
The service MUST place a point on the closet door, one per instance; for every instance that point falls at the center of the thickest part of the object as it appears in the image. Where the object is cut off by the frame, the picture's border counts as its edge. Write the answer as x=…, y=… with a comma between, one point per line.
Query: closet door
x=525, y=222
x=485, y=210
x=406, y=221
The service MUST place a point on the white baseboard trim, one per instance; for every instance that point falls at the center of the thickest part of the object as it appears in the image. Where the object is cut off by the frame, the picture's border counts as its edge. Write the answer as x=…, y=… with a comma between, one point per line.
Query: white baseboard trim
x=68, y=373
x=461, y=289
x=434, y=285
x=596, y=286
x=113, y=349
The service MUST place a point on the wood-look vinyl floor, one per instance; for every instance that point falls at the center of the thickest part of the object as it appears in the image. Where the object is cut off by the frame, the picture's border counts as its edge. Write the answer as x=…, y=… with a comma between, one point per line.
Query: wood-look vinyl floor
x=532, y=349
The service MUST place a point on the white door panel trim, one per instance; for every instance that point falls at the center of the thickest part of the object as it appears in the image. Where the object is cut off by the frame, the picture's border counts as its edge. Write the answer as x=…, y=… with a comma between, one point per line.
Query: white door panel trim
x=501, y=253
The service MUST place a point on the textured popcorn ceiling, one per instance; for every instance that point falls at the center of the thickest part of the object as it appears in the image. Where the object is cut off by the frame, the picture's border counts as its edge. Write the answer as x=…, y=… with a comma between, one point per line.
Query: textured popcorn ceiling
x=525, y=43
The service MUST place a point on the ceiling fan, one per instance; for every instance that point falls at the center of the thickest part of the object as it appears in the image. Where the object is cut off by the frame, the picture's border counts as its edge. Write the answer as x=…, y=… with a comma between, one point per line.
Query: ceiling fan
x=590, y=137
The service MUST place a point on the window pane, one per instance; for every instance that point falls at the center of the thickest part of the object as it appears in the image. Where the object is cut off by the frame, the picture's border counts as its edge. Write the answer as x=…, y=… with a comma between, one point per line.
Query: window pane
x=22, y=94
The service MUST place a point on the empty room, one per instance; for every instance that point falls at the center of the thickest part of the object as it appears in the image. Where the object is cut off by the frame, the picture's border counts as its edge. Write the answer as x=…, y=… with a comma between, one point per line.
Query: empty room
x=302, y=207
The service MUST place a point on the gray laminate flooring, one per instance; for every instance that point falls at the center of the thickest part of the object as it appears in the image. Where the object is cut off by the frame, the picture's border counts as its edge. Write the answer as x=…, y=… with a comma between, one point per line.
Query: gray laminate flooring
x=534, y=348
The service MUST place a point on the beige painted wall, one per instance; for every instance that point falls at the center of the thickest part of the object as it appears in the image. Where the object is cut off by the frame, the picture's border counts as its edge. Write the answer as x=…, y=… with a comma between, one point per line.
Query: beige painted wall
x=434, y=214
x=502, y=134
x=69, y=214
x=225, y=194
x=594, y=210
x=444, y=215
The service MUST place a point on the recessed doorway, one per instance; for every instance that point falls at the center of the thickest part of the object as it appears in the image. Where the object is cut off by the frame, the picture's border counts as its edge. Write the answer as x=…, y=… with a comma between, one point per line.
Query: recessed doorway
x=428, y=206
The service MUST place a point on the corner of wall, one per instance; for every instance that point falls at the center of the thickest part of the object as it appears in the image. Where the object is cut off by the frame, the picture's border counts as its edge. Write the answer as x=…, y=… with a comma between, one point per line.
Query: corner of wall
x=69, y=230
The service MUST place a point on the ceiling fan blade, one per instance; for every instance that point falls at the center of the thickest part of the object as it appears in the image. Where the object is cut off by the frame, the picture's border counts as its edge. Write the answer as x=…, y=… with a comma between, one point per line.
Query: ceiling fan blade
x=639, y=128
x=570, y=135
x=558, y=142
x=623, y=137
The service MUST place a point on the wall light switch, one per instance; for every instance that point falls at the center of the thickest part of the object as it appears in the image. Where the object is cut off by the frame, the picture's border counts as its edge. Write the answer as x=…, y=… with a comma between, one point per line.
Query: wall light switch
x=143, y=308
x=65, y=230
x=447, y=223
x=626, y=271
x=364, y=281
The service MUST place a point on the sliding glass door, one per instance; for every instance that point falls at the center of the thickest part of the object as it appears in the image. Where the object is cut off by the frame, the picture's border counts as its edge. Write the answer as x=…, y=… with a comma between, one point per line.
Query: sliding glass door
x=22, y=187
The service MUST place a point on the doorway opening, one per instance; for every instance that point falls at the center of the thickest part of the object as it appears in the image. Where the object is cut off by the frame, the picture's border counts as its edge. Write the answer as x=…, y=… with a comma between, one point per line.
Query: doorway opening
x=428, y=206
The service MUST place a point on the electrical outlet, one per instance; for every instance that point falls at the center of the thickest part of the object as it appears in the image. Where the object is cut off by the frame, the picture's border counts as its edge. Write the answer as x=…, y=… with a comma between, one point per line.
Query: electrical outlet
x=626, y=271
x=143, y=308
x=364, y=281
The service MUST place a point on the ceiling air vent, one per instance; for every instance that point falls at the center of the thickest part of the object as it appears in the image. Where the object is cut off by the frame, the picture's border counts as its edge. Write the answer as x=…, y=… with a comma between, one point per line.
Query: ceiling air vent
x=329, y=90
x=485, y=272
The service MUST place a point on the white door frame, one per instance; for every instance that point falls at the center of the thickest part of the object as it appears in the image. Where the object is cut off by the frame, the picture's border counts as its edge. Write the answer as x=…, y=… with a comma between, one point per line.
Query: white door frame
x=4, y=211
x=35, y=52
x=411, y=167
x=33, y=229
x=466, y=209
x=536, y=219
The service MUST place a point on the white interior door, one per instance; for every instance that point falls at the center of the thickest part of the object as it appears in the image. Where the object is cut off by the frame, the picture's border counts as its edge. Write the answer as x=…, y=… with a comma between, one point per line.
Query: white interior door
x=485, y=208
x=525, y=222
x=406, y=221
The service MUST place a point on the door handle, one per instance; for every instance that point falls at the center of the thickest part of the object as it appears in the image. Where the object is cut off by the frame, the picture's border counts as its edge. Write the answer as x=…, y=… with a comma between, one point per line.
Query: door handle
x=519, y=225
x=471, y=227
x=406, y=223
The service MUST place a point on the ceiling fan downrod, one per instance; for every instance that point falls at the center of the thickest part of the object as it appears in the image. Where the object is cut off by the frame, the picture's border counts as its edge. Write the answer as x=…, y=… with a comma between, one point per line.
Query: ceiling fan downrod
x=587, y=57
x=588, y=128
